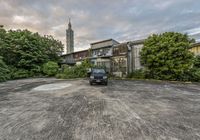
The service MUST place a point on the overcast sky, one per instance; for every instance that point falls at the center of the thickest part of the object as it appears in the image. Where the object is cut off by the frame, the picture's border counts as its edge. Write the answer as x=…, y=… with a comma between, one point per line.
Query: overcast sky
x=95, y=20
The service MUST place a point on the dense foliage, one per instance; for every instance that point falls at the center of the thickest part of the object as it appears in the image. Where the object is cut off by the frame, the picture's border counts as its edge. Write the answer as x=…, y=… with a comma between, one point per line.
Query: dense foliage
x=50, y=68
x=194, y=73
x=167, y=56
x=25, y=52
x=137, y=74
x=77, y=71
x=4, y=71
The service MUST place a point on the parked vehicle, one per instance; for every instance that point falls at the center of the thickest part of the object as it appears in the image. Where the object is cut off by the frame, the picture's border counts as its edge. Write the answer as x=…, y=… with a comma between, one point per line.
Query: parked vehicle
x=98, y=75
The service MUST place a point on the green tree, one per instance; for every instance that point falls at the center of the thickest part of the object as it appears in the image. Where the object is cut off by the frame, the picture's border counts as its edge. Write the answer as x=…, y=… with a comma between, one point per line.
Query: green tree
x=166, y=56
x=4, y=71
x=77, y=71
x=197, y=62
x=27, y=52
x=50, y=68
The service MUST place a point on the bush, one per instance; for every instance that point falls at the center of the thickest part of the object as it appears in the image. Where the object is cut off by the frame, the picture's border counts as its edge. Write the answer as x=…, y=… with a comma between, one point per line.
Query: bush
x=138, y=74
x=50, y=68
x=77, y=71
x=19, y=73
x=73, y=72
x=167, y=56
x=4, y=71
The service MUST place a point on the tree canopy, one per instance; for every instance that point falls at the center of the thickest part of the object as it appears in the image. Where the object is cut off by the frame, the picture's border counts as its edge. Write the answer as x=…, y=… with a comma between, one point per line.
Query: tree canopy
x=4, y=71
x=167, y=56
x=24, y=50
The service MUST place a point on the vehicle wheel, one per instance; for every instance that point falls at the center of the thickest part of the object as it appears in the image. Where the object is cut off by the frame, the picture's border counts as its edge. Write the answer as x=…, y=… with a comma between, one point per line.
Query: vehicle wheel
x=90, y=83
x=106, y=83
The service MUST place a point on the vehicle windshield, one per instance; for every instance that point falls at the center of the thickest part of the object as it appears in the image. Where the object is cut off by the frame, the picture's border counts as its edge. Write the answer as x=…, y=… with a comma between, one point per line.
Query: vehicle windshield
x=102, y=71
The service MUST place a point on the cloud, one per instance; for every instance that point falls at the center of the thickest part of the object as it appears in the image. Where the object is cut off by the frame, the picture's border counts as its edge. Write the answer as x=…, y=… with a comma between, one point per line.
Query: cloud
x=193, y=31
x=94, y=20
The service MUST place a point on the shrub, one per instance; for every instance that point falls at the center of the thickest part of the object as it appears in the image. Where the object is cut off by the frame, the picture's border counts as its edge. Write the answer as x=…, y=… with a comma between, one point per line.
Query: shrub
x=138, y=74
x=4, y=71
x=50, y=68
x=19, y=73
x=166, y=56
x=77, y=71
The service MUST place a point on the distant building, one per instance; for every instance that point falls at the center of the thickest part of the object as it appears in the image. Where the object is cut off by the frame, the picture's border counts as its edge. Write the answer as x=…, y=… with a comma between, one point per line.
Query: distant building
x=119, y=59
x=69, y=39
x=68, y=59
x=126, y=58
x=195, y=48
x=80, y=56
x=134, y=49
x=119, y=63
x=101, y=52
x=75, y=57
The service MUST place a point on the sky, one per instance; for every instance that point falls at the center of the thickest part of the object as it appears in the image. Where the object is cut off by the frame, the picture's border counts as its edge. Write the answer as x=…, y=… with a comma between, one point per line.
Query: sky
x=96, y=20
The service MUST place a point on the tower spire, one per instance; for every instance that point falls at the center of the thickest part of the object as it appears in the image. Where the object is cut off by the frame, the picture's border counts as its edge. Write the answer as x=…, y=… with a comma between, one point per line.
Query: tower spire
x=69, y=24
x=69, y=38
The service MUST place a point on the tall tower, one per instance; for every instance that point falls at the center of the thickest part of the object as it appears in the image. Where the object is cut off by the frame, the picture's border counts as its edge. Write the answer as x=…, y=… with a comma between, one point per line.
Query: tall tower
x=69, y=38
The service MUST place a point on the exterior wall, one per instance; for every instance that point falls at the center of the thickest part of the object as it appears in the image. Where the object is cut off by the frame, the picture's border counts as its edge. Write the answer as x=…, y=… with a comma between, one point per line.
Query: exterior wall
x=102, y=52
x=102, y=61
x=195, y=49
x=68, y=59
x=136, y=57
x=80, y=55
x=119, y=60
x=120, y=49
x=105, y=62
x=75, y=58
x=119, y=66
x=133, y=60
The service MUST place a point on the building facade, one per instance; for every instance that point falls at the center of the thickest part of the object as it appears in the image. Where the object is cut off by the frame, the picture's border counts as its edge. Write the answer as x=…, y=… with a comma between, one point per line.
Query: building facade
x=69, y=39
x=134, y=49
x=101, y=53
x=126, y=58
x=80, y=56
x=119, y=59
x=195, y=49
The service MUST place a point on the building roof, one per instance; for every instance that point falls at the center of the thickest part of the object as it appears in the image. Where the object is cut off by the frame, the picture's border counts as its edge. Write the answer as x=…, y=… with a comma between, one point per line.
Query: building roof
x=196, y=44
x=81, y=51
x=121, y=44
x=131, y=42
x=141, y=41
x=103, y=41
x=74, y=52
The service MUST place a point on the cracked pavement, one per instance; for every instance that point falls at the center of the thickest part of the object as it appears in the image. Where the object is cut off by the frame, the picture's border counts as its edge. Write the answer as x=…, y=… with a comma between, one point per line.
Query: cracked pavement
x=48, y=108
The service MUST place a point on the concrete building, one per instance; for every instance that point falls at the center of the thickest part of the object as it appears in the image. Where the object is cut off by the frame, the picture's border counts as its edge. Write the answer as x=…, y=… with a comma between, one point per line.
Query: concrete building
x=75, y=57
x=69, y=39
x=134, y=49
x=101, y=52
x=80, y=56
x=195, y=48
x=119, y=59
x=126, y=58
x=68, y=59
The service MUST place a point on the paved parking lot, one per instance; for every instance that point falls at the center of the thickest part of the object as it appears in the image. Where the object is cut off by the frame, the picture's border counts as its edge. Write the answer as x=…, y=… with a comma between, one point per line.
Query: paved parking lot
x=47, y=108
